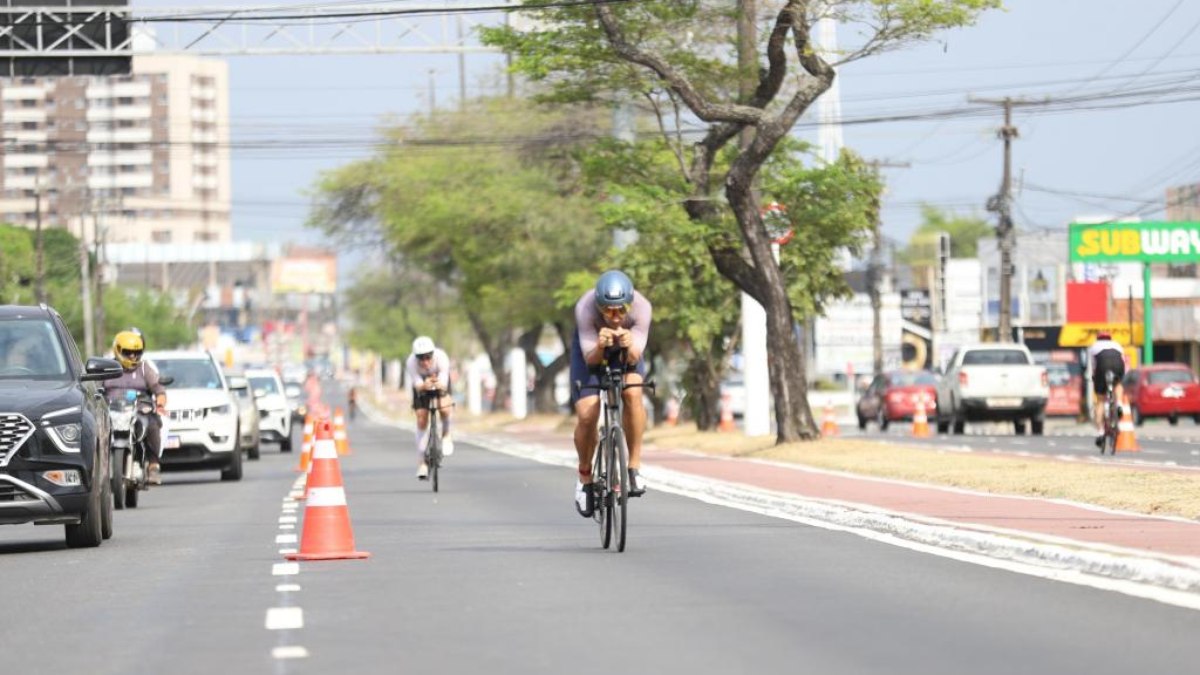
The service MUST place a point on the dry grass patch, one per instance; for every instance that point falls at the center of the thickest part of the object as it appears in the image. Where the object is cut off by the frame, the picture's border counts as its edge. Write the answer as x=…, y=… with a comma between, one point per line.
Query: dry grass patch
x=1151, y=491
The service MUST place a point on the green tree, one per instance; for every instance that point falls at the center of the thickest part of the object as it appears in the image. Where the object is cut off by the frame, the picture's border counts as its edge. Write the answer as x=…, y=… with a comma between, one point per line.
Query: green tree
x=922, y=250
x=480, y=203
x=674, y=55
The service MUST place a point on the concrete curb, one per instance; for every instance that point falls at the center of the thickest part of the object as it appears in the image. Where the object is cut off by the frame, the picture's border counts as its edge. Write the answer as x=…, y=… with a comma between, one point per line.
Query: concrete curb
x=1055, y=558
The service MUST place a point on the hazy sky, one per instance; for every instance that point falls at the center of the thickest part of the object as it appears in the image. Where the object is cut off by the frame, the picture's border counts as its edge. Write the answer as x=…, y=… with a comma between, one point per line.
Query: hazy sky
x=295, y=116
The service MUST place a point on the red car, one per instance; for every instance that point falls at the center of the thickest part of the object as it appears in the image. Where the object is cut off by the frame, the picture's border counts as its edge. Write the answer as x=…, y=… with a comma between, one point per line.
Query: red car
x=1162, y=390
x=893, y=396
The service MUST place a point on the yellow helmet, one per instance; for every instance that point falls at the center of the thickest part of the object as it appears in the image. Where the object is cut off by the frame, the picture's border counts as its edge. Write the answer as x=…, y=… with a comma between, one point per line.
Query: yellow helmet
x=127, y=348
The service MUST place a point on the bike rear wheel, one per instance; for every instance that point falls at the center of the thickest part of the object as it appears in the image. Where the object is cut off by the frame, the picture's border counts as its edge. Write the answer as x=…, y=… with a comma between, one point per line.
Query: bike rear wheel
x=433, y=452
x=618, y=478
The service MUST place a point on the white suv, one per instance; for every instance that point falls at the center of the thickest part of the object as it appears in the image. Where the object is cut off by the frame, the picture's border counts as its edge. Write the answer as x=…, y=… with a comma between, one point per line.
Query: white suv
x=202, y=415
x=274, y=411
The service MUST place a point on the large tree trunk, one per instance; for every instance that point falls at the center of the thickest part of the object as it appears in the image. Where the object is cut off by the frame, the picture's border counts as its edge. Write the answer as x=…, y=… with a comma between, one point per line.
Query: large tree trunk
x=704, y=393
x=544, y=375
x=496, y=347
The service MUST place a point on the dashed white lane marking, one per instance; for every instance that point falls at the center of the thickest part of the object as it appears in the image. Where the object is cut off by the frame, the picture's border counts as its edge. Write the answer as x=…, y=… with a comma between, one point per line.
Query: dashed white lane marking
x=287, y=588
x=285, y=618
x=285, y=539
x=287, y=519
x=287, y=526
x=292, y=652
x=285, y=569
x=285, y=551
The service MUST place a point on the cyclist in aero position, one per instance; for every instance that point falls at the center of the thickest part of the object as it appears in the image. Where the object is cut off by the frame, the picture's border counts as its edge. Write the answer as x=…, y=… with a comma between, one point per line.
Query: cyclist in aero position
x=1107, y=356
x=428, y=370
x=608, y=319
x=141, y=376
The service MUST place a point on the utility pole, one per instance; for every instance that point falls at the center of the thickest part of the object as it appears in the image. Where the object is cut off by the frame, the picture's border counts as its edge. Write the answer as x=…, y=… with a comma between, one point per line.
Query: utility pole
x=747, y=30
x=1001, y=204
x=85, y=281
x=875, y=268
x=39, y=276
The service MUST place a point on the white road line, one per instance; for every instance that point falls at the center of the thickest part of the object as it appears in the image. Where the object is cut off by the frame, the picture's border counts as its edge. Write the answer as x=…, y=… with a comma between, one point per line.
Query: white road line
x=287, y=526
x=285, y=551
x=287, y=588
x=292, y=652
x=287, y=519
x=285, y=539
x=285, y=618
x=285, y=569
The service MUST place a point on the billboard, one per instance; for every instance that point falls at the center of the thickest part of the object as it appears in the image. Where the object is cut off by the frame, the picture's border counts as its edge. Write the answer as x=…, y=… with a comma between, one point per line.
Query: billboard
x=1163, y=242
x=916, y=313
x=304, y=274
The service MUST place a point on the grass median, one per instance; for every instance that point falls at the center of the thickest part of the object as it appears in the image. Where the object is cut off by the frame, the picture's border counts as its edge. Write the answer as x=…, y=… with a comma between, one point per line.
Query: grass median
x=1142, y=490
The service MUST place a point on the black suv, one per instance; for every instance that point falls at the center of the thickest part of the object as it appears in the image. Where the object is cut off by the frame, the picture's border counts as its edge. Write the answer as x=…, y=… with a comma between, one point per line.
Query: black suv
x=54, y=428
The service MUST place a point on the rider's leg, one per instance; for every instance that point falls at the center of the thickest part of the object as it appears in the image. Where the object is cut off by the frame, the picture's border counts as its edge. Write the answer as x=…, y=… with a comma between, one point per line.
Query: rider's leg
x=445, y=406
x=634, y=420
x=587, y=414
x=154, y=438
x=422, y=433
x=1101, y=402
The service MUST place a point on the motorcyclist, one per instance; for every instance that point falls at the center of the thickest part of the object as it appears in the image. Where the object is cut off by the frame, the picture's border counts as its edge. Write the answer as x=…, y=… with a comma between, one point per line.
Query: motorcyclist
x=140, y=376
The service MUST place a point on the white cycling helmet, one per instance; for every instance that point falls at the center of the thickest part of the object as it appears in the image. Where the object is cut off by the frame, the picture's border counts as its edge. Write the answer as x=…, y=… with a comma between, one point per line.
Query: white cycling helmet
x=423, y=345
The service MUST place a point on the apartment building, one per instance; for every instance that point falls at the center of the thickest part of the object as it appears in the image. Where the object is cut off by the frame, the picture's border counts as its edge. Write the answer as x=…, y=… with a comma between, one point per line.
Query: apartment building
x=136, y=158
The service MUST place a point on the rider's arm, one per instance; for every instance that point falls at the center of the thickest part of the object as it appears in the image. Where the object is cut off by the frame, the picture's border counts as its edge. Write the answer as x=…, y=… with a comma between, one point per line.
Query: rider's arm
x=589, y=334
x=155, y=386
x=442, y=362
x=639, y=315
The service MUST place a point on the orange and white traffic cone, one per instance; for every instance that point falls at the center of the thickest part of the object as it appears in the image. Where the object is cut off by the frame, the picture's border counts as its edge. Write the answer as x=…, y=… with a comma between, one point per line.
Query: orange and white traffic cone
x=1126, y=440
x=829, y=425
x=726, y=413
x=920, y=426
x=327, y=534
x=306, y=445
x=672, y=412
x=339, y=432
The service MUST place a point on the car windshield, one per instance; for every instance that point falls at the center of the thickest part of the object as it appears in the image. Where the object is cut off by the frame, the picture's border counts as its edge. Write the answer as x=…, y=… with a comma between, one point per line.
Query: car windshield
x=30, y=350
x=995, y=357
x=1168, y=376
x=913, y=379
x=264, y=384
x=189, y=373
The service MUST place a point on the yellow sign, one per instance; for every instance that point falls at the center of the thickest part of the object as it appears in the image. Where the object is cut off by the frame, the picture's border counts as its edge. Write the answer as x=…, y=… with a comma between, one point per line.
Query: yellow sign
x=1084, y=334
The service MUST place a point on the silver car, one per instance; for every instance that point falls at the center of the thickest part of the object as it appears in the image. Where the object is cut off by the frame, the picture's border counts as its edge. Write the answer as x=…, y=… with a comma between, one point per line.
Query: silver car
x=248, y=438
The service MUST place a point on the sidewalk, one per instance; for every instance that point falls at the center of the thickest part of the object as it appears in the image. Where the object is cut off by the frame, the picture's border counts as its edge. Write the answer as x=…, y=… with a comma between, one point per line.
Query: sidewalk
x=1057, y=537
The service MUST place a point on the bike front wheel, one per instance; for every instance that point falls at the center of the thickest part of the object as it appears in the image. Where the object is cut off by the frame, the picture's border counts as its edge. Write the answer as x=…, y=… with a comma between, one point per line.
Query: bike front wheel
x=601, y=495
x=618, y=480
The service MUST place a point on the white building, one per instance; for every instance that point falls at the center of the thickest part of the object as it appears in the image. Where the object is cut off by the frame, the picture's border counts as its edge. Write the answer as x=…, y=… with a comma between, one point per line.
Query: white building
x=136, y=158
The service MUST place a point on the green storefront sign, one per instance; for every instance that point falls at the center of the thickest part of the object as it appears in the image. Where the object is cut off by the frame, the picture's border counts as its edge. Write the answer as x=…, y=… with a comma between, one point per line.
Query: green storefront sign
x=1146, y=243
x=1135, y=242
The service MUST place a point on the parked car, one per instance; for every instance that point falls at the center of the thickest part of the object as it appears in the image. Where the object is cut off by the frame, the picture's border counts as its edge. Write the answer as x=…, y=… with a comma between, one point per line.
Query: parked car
x=275, y=415
x=893, y=397
x=1162, y=390
x=248, y=432
x=202, y=415
x=993, y=382
x=54, y=428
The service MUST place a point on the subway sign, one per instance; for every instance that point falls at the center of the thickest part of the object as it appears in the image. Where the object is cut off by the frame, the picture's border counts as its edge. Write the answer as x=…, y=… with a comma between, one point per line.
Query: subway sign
x=1135, y=242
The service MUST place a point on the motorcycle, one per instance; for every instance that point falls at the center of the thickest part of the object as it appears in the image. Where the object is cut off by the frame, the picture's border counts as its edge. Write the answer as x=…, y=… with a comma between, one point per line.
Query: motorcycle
x=130, y=416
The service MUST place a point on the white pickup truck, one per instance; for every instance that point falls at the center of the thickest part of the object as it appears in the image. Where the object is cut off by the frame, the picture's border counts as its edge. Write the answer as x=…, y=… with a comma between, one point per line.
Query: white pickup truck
x=992, y=382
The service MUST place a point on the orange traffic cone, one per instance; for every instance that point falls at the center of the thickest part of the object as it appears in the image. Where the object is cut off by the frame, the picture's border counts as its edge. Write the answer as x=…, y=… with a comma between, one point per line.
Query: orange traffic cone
x=920, y=426
x=327, y=534
x=306, y=445
x=1126, y=440
x=829, y=425
x=339, y=432
x=726, y=413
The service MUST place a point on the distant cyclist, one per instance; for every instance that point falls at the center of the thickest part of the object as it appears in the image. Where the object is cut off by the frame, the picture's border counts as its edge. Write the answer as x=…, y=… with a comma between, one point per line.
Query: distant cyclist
x=1107, y=356
x=609, y=318
x=428, y=370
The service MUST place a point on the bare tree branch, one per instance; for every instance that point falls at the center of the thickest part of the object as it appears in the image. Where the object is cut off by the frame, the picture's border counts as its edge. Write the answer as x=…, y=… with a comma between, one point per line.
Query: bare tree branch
x=676, y=147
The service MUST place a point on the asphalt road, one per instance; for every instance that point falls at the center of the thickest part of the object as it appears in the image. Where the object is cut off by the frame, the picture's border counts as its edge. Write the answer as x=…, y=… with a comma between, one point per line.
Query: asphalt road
x=498, y=574
x=1159, y=442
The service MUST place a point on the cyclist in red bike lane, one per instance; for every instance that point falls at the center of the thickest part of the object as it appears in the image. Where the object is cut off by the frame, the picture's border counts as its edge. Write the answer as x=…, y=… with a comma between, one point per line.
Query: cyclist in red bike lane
x=609, y=318
x=428, y=370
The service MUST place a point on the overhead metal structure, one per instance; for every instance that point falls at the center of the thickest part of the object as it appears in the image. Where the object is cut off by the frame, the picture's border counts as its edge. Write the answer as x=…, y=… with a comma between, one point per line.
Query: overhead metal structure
x=64, y=37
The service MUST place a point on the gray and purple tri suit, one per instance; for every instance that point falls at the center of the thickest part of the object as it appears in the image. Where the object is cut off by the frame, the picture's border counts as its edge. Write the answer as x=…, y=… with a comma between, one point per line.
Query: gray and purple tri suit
x=588, y=322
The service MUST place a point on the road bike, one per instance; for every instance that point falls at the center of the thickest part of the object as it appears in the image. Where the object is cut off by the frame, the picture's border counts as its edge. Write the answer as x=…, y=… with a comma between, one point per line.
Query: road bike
x=610, y=463
x=433, y=446
x=1112, y=414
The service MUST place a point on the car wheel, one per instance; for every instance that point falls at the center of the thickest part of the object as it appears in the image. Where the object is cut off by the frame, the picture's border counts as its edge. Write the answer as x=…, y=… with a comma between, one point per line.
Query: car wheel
x=1173, y=420
x=1037, y=426
x=87, y=533
x=286, y=444
x=1196, y=419
x=943, y=427
x=960, y=425
x=106, y=509
x=118, y=478
x=1018, y=427
x=253, y=452
x=234, y=470
x=1138, y=420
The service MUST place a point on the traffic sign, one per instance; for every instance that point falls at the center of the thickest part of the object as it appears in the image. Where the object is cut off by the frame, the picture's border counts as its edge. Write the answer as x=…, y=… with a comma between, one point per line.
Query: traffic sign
x=1084, y=334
